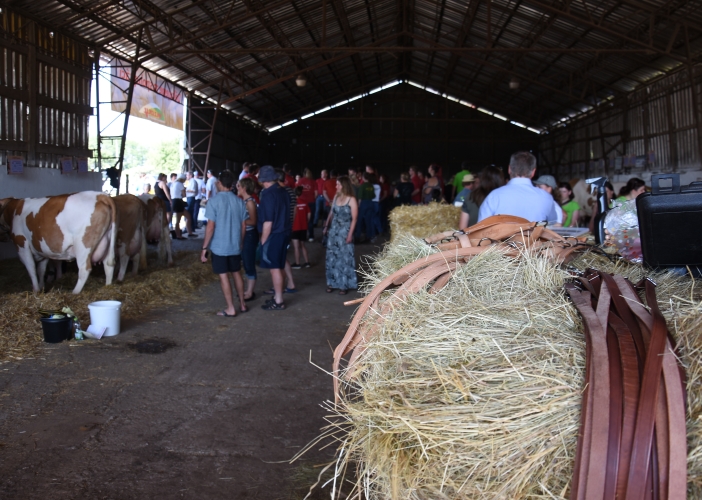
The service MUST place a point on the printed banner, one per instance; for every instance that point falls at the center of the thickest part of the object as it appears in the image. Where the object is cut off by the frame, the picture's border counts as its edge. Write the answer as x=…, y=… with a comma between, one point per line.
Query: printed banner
x=15, y=164
x=82, y=165
x=154, y=98
x=66, y=165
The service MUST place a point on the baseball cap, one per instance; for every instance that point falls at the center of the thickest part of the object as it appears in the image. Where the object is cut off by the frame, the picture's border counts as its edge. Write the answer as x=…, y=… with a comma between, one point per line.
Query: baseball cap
x=547, y=180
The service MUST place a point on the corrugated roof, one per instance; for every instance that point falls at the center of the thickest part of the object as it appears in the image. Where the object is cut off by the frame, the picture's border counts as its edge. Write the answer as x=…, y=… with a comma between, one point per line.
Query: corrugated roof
x=565, y=57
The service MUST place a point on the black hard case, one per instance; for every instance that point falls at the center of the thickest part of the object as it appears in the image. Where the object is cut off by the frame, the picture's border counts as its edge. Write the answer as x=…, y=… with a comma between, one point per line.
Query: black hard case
x=670, y=223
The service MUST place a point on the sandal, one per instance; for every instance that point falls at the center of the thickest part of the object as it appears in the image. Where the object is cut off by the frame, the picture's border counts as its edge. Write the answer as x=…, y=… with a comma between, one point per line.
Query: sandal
x=343, y=291
x=329, y=289
x=273, y=306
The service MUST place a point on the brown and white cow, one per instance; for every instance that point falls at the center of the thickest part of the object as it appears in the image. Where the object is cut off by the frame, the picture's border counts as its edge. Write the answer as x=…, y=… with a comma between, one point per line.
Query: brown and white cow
x=157, y=226
x=80, y=226
x=131, y=233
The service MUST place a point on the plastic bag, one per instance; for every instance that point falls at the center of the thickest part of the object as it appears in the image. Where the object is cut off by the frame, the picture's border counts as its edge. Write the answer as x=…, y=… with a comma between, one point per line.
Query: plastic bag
x=622, y=227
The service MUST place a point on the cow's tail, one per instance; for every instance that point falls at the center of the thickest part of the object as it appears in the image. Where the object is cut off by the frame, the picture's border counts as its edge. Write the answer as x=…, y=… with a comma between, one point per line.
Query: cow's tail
x=110, y=261
x=142, y=250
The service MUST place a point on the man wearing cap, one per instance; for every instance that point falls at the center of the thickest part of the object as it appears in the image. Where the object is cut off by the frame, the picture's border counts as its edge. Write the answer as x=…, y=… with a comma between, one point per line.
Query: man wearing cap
x=224, y=236
x=519, y=197
x=274, y=227
x=456, y=185
x=548, y=184
x=467, y=183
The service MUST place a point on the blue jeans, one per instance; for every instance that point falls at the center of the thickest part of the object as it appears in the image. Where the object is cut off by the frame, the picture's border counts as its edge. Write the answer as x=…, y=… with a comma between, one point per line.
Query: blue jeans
x=377, y=223
x=365, y=219
x=319, y=205
x=248, y=254
x=191, y=209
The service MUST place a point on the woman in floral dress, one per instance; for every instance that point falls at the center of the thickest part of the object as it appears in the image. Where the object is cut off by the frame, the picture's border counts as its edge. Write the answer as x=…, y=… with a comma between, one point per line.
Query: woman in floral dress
x=339, y=227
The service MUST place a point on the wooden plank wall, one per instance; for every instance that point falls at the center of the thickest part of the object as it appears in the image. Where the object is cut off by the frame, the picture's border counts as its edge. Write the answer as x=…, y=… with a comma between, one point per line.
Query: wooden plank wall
x=45, y=80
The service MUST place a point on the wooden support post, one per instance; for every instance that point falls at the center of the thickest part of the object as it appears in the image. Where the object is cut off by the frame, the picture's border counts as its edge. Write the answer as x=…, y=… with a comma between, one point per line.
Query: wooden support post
x=97, y=108
x=646, y=122
x=32, y=118
x=672, y=136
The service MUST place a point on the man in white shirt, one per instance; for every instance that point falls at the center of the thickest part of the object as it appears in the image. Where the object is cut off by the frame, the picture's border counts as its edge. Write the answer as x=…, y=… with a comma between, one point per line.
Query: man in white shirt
x=519, y=196
x=198, y=196
x=211, y=186
x=191, y=190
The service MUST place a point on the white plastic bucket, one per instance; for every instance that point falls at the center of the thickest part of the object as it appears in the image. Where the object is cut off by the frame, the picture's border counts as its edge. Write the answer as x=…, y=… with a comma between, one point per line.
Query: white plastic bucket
x=105, y=314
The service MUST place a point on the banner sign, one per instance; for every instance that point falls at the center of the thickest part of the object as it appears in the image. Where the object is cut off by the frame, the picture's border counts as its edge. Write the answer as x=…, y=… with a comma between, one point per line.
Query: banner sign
x=154, y=98
x=82, y=165
x=15, y=164
x=66, y=165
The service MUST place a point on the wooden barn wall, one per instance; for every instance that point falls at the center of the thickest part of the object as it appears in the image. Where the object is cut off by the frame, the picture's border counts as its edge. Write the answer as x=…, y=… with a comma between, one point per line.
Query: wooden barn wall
x=396, y=128
x=44, y=93
x=234, y=141
x=655, y=129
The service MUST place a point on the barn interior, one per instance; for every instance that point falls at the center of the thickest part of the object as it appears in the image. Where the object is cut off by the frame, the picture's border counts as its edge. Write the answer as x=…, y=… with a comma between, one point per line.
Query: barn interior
x=592, y=88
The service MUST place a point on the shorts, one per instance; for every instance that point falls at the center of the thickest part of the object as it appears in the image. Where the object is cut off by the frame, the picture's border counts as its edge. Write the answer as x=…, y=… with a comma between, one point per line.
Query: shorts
x=178, y=205
x=167, y=204
x=222, y=264
x=274, y=251
x=299, y=235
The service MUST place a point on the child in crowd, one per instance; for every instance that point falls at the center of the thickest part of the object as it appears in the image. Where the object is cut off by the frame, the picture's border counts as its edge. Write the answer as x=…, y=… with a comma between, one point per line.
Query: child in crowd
x=299, y=232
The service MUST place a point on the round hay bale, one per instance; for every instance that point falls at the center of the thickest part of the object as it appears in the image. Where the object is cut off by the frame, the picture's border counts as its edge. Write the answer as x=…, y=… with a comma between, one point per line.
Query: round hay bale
x=475, y=391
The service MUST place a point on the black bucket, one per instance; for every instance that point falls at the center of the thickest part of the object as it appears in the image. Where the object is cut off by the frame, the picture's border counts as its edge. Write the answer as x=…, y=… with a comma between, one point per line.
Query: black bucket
x=57, y=329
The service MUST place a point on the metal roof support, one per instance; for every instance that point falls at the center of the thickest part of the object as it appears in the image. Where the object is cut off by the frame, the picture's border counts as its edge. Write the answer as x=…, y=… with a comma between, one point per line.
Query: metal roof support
x=128, y=110
x=210, y=131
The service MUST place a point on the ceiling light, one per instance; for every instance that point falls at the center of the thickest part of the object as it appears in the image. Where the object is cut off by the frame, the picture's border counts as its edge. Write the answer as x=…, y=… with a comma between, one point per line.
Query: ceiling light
x=514, y=83
x=51, y=34
x=301, y=80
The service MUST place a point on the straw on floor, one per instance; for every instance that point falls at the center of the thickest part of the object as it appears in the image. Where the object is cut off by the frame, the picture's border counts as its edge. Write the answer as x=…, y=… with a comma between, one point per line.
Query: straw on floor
x=475, y=391
x=19, y=317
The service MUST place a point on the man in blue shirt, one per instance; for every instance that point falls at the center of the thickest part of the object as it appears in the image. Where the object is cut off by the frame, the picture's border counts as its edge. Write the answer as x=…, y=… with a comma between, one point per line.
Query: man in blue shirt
x=275, y=226
x=519, y=196
x=224, y=235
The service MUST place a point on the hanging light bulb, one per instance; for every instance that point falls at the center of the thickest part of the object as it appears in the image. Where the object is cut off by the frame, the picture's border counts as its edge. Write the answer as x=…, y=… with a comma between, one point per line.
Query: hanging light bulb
x=301, y=80
x=514, y=83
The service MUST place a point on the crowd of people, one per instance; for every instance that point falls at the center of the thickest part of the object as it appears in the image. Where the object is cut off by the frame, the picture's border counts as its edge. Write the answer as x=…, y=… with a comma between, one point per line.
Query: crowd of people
x=253, y=219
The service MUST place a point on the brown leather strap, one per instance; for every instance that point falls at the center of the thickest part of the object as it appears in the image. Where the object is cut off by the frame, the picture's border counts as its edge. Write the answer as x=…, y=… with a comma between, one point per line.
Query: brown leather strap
x=645, y=417
x=600, y=398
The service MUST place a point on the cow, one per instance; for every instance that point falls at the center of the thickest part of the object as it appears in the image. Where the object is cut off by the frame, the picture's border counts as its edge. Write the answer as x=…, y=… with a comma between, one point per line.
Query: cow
x=80, y=226
x=131, y=233
x=157, y=226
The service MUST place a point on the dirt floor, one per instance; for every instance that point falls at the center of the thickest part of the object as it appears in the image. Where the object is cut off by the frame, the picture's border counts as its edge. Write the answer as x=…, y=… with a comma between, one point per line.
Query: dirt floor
x=181, y=404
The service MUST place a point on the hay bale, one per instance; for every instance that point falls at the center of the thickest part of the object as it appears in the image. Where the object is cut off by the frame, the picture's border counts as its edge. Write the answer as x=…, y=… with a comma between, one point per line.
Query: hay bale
x=475, y=391
x=422, y=220
x=158, y=286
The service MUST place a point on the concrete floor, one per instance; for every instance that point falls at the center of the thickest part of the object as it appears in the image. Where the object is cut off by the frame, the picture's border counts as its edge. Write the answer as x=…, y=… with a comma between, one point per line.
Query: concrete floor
x=216, y=415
